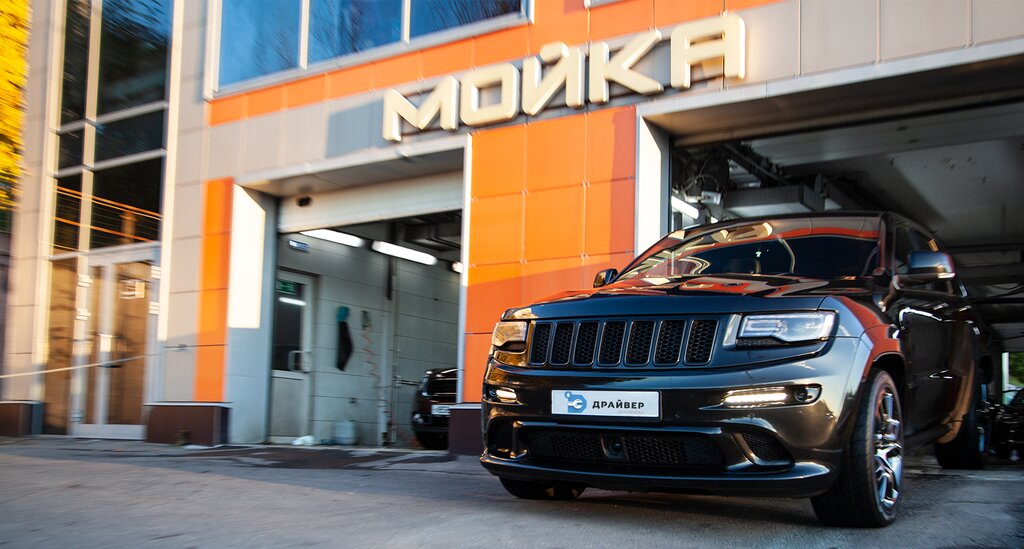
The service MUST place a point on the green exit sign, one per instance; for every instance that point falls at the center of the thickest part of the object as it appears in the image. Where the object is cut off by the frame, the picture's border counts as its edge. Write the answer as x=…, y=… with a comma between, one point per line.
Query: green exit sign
x=286, y=287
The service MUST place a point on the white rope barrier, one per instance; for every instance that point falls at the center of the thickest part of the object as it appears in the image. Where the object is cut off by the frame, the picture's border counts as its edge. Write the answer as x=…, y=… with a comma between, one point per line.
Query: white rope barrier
x=80, y=367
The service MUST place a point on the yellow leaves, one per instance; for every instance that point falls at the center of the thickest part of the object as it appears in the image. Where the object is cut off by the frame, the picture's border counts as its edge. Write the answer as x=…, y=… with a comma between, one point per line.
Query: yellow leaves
x=13, y=71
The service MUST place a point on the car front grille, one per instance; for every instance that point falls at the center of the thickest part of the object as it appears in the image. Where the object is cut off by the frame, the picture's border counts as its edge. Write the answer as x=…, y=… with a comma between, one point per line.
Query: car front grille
x=641, y=343
x=649, y=449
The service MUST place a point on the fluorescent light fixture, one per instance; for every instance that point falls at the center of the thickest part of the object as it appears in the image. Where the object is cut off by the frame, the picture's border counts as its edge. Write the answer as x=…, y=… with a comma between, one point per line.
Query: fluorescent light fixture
x=457, y=267
x=404, y=253
x=292, y=301
x=687, y=209
x=336, y=237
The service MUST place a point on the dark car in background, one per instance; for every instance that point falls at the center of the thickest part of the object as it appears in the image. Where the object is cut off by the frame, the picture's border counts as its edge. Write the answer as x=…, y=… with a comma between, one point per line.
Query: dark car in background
x=435, y=395
x=1008, y=425
x=792, y=356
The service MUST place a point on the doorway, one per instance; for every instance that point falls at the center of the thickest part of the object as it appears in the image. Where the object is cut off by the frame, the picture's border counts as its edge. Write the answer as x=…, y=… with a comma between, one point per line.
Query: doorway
x=291, y=359
x=120, y=337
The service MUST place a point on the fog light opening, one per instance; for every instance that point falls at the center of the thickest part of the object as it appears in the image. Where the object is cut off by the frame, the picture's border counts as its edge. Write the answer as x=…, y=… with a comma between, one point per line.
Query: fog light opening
x=506, y=395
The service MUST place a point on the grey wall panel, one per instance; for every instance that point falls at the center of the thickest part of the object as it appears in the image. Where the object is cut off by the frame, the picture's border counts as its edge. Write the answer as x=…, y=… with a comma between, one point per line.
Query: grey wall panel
x=837, y=34
x=913, y=27
x=997, y=20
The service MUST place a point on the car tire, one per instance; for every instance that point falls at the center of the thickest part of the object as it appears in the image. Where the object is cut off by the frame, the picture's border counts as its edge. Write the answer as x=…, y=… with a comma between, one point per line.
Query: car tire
x=540, y=490
x=432, y=441
x=866, y=491
x=969, y=450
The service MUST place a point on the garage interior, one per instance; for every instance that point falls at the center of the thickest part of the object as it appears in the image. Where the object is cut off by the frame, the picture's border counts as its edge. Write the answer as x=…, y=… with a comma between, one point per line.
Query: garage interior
x=957, y=171
x=401, y=317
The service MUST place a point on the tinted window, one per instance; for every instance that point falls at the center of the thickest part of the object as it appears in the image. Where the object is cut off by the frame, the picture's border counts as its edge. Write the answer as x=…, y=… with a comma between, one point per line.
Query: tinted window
x=126, y=204
x=70, y=149
x=340, y=27
x=429, y=16
x=133, y=53
x=258, y=37
x=130, y=136
x=67, y=215
x=76, y=59
x=902, y=246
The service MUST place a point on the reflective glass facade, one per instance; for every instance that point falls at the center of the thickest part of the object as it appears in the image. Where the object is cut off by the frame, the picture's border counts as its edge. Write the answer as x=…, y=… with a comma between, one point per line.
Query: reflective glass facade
x=263, y=37
x=114, y=100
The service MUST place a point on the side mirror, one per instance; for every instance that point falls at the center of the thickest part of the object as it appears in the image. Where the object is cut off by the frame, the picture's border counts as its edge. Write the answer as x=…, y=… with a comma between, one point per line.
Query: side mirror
x=925, y=267
x=604, y=277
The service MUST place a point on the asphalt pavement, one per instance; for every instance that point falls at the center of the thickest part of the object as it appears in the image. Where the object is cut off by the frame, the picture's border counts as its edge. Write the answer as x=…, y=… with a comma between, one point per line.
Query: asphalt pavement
x=61, y=492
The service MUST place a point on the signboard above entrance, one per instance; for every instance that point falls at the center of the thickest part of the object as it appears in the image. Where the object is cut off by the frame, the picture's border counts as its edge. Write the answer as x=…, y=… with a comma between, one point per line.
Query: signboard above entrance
x=561, y=67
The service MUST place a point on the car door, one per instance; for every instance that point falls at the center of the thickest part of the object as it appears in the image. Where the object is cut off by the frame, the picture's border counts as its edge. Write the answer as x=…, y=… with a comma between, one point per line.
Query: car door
x=925, y=318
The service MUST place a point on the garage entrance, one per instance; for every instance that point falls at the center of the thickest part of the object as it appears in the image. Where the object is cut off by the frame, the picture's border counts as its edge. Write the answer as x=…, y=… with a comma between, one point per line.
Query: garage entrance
x=361, y=312
x=957, y=171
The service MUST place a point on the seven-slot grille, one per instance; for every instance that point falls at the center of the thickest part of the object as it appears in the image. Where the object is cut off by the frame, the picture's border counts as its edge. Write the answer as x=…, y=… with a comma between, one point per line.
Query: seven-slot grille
x=623, y=343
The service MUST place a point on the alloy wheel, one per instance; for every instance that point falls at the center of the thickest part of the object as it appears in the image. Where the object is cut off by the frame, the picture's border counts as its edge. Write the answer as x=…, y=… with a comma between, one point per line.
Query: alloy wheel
x=888, y=439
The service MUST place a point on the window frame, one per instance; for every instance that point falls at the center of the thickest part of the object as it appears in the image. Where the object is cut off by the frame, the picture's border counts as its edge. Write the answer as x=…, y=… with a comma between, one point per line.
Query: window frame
x=211, y=79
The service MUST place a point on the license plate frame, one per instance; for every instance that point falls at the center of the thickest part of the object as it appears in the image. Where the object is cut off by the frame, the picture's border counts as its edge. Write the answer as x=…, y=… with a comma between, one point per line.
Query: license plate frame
x=624, y=404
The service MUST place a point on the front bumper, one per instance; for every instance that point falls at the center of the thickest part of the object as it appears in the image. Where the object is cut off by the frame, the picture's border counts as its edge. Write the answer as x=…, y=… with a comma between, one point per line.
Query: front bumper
x=695, y=445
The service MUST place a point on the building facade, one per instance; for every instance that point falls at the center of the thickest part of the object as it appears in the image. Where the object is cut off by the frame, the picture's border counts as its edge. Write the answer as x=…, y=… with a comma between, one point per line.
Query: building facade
x=205, y=249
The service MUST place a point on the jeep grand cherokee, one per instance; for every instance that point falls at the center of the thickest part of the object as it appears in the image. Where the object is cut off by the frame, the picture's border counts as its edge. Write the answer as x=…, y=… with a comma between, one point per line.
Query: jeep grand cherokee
x=797, y=356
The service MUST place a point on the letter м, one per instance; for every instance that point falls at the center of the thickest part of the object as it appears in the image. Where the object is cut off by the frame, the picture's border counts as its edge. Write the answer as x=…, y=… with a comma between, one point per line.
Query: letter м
x=441, y=102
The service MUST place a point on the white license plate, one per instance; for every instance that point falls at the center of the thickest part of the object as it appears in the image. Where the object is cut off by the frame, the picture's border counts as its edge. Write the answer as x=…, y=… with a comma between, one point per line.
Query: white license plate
x=441, y=409
x=605, y=403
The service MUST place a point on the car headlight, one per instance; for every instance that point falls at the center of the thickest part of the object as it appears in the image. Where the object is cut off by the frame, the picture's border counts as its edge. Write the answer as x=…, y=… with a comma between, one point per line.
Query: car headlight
x=422, y=387
x=509, y=337
x=777, y=329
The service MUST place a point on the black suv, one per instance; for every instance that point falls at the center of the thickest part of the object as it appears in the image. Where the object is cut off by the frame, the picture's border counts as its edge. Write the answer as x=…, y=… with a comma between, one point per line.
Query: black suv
x=796, y=356
x=435, y=395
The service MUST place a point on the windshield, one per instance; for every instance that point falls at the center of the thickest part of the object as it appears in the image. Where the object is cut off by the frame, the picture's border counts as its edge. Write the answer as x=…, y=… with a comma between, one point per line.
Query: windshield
x=823, y=247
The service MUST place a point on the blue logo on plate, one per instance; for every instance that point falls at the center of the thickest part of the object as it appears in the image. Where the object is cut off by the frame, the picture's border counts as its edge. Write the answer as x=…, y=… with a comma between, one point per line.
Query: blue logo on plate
x=576, y=402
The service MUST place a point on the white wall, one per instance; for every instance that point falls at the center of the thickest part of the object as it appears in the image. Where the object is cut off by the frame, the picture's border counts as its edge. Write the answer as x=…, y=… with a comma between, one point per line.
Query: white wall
x=415, y=331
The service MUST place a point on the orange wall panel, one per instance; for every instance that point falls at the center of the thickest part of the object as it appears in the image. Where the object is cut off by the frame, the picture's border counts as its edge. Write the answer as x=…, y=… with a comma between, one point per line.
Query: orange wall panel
x=209, y=378
x=499, y=162
x=449, y=58
x=496, y=229
x=545, y=278
x=213, y=293
x=476, y=349
x=492, y=289
x=609, y=218
x=668, y=12
x=733, y=5
x=305, y=92
x=228, y=109
x=559, y=20
x=555, y=152
x=504, y=45
x=623, y=17
x=611, y=144
x=554, y=224
x=350, y=81
x=266, y=100
x=398, y=70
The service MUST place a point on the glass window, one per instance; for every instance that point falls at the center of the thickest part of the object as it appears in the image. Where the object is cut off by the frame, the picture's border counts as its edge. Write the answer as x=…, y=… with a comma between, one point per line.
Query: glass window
x=133, y=53
x=126, y=204
x=67, y=216
x=130, y=136
x=827, y=250
x=70, y=150
x=429, y=16
x=258, y=37
x=76, y=60
x=902, y=246
x=340, y=27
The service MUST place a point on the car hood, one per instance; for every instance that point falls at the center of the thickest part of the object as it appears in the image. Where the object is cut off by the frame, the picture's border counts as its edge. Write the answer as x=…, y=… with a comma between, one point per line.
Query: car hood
x=724, y=293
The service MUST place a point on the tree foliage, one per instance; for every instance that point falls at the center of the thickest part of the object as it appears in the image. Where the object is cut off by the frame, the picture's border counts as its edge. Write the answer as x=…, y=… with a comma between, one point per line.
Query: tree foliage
x=13, y=71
